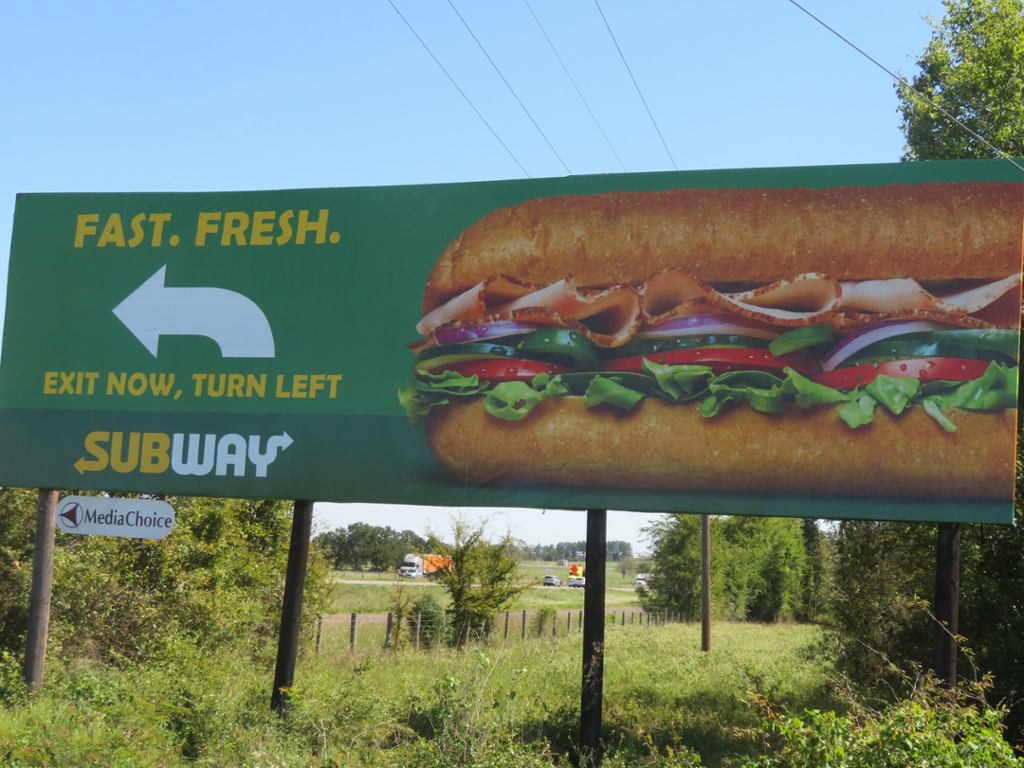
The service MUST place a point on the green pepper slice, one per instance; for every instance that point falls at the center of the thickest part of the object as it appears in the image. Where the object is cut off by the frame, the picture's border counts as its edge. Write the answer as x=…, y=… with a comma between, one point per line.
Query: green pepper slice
x=902, y=348
x=643, y=347
x=562, y=346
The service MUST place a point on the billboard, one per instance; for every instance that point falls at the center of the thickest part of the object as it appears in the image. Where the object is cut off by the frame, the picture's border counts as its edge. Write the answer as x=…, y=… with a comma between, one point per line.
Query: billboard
x=819, y=342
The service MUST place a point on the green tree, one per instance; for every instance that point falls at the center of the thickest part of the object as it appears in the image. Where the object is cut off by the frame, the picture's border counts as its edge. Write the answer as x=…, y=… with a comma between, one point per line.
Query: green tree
x=482, y=579
x=673, y=580
x=758, y=567
x=217, y=578
x=973, y=69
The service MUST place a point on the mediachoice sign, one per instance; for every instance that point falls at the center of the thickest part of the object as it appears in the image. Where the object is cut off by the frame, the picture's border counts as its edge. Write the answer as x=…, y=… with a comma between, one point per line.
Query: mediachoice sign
x=109, y=516
x=817, y=342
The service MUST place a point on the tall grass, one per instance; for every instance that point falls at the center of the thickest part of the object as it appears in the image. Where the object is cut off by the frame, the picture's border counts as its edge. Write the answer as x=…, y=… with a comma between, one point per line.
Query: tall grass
x=514, y=704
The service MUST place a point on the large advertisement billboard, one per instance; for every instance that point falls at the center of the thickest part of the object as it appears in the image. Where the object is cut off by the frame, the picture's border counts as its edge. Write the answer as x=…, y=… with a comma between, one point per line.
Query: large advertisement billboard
x=819, y=342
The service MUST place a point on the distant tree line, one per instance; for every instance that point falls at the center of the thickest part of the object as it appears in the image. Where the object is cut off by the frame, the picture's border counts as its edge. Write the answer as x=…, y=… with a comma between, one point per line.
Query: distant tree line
x=570, y=550
x=370, y=547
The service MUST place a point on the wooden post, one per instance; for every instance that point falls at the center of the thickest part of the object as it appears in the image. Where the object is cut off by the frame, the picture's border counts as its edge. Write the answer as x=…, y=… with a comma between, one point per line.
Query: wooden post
x=705, y=583
x=42, y=588
x=947, y=601
x=387, y=632
x=592, y=695
x=352, y=634
x=506, y=626
x=523, y=638
x=291, y=605
x=419, y=622
x=319, y=632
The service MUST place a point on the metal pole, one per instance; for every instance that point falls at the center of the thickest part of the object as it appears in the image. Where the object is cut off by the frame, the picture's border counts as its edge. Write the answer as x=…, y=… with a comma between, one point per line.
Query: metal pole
x=592, y=696
x=291, y=605
x=947, y=601
x=419, y=623
x=42, y=588
x=705, y=583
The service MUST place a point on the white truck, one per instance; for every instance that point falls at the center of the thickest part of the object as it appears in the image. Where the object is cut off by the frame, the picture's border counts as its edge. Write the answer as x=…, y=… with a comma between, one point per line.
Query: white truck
x=411, y=567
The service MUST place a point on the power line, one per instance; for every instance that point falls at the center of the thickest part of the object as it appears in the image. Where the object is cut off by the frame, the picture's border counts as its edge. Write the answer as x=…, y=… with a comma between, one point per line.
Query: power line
x=905, y=82
x=509, y=86
x=566, y=70
x=452, y=79
x=653, y=121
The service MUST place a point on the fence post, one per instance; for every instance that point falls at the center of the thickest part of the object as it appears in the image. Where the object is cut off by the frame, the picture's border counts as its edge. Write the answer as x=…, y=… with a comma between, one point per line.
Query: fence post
x=524, y=626
x=568, y=622
x=506, y=626
x=352, y=634
x=319, y=632
x=623, y=618
x=554, y=624
x=419, y=622
x=579, y=624
x=387, y=633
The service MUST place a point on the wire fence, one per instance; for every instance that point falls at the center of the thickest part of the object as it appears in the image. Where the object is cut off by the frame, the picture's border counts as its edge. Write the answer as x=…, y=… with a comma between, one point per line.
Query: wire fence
x=364, y=632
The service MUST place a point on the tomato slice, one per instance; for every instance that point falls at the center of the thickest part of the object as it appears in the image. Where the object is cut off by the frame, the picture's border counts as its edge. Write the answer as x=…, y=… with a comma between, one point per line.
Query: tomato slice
x=723, y=360
x=926, y=369
x=496, y=370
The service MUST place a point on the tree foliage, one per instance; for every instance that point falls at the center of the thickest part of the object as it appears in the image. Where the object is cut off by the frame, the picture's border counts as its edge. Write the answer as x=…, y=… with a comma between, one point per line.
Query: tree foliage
x=758, y=567
x=974, y=69
x=884, y=577
x=217, y=578
x=482, y=580
x=361, y=545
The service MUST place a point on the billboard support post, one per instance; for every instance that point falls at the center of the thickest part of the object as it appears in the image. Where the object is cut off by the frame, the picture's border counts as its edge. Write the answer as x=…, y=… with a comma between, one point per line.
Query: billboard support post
x=592, y=695
x=291, y=605
x=705, y=583
x=42, y=588
x=947, y=601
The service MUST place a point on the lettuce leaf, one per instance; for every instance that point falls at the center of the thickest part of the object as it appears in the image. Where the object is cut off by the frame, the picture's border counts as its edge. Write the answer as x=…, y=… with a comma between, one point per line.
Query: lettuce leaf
x=762, y=391
x=605, y=390
x=859, y=411
x=680, y=383
x=893, y=392
x=809, y=394
x=512, y=400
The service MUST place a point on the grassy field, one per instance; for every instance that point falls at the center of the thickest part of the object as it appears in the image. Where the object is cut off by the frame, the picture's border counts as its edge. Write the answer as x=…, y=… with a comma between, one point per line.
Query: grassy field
x=513, y=705
x=376, y=593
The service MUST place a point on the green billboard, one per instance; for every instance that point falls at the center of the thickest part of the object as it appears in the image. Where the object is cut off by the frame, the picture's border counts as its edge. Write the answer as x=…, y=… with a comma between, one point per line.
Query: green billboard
x=660, y=342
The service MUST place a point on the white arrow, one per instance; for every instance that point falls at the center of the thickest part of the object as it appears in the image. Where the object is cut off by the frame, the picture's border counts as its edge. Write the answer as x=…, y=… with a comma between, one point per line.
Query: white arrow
x=232, y=320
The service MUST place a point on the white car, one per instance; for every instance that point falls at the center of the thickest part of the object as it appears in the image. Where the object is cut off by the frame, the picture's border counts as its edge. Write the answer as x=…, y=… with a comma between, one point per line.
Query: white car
x=410, y=573
x=552, y=581
x=578, y=581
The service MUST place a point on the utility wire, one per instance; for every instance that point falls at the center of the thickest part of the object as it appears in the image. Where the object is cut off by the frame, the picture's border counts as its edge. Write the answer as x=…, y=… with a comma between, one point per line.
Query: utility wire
x=509, y=86
x=566, y=70
x=653, y=121
x=452, y=79
x=905, y=82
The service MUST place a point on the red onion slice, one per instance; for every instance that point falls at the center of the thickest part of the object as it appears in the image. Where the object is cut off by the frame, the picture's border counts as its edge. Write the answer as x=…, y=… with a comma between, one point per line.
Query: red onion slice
x=704, y=325
x=483, y=332
x=868, y=335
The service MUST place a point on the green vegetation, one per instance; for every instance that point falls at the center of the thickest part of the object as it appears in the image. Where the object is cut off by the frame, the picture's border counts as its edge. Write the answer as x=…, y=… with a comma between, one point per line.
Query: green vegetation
x=512, y=705
x=973, y=69
x=761, y=567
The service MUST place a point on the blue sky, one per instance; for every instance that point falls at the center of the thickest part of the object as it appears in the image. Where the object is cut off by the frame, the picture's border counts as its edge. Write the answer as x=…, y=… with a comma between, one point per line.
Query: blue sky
x=198, y=96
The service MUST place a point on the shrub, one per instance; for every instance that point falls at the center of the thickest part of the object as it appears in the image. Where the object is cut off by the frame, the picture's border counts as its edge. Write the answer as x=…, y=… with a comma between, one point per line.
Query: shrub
x=433, y=621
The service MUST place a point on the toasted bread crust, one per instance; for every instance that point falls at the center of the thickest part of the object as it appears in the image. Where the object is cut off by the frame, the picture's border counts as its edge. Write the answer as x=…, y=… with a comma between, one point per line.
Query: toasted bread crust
x=929, y=232
x=658, y=445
